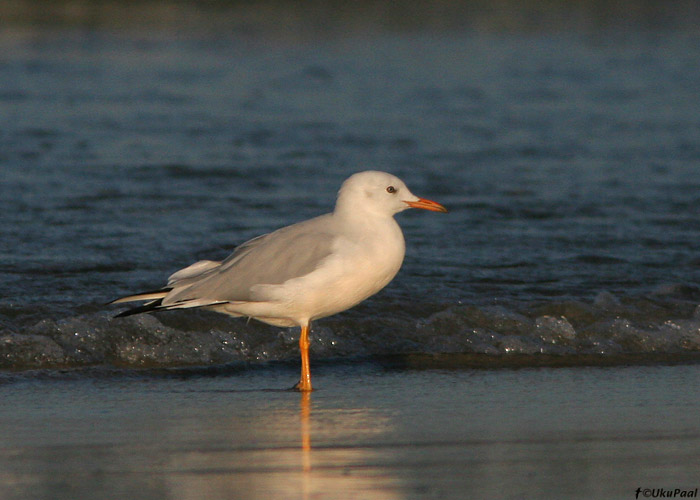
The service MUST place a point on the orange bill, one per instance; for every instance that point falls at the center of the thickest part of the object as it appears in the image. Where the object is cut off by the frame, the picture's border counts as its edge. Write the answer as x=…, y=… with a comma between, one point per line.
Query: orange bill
x=426, y=205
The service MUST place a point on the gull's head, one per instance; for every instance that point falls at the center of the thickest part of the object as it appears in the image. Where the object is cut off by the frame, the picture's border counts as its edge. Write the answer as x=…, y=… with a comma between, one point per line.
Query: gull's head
x=379, y=193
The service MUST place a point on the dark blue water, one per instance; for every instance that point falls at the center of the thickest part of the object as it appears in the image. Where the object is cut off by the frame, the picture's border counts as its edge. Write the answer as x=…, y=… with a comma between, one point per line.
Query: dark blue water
x=569, y=160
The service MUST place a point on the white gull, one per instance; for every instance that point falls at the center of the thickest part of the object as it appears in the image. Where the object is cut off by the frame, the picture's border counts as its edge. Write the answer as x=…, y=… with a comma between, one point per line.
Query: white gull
x=305, y=271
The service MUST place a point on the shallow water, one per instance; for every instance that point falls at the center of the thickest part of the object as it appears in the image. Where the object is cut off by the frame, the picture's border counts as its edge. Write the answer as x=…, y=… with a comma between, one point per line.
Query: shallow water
x=569, y=163
x=371, y=432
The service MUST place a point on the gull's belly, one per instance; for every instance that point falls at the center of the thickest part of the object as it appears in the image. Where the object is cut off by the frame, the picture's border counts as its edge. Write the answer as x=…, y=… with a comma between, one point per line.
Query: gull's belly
x=338, y=285
x=343, y=282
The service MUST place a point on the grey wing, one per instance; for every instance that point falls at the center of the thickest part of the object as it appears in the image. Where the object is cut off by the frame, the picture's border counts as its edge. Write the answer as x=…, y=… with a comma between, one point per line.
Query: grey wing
x=271, y=259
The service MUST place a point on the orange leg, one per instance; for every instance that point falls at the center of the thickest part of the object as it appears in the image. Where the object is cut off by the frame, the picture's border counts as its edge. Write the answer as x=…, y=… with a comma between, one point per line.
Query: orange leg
x=305, y=381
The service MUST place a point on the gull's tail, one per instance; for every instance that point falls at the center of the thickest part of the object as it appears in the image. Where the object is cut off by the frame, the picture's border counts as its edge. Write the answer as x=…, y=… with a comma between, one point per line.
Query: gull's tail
x=181, y=279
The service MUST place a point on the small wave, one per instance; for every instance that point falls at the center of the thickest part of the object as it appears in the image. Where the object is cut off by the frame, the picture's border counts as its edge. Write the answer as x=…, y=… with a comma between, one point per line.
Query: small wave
x=183, y=171
x=598, y=259
x=660, y=327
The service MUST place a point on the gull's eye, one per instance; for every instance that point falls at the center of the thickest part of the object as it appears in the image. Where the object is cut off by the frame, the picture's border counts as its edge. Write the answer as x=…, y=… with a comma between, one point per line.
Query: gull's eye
x=391, y=190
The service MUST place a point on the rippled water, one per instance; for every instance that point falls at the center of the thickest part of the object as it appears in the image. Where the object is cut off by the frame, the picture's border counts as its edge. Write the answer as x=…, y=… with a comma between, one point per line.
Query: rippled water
x=569, y=161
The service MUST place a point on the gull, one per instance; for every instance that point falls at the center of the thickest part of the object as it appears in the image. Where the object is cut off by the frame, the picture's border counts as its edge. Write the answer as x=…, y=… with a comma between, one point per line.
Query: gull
x=303, y=272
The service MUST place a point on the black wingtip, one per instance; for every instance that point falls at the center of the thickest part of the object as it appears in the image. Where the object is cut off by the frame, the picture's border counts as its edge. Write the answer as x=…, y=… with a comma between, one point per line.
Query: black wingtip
x=152, y=306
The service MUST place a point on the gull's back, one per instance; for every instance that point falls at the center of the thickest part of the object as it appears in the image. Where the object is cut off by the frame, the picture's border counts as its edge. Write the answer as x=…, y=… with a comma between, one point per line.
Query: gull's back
x=270, y=259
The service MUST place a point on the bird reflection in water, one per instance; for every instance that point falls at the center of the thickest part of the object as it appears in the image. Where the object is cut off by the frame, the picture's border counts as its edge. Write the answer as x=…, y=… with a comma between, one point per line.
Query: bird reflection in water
x=305, y=417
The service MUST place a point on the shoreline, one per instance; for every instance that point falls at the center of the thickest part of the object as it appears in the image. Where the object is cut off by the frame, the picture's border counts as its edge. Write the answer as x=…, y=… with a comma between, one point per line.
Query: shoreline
x=570, y=433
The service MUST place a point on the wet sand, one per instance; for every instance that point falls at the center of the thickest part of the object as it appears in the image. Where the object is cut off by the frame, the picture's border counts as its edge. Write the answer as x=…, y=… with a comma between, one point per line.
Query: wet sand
x=367, y=432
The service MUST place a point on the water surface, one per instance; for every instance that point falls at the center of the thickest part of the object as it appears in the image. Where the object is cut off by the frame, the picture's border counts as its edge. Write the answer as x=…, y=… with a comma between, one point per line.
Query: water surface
x=541, y=339
x=569, y=166
x=369, y=433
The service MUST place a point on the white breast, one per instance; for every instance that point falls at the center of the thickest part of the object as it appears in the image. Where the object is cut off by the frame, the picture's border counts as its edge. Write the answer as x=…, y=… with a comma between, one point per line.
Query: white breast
x=362, y=263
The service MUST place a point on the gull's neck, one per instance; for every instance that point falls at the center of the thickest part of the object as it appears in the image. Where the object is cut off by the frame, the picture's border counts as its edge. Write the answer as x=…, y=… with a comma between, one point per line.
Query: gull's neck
x=363, y=224
x=355, y=213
